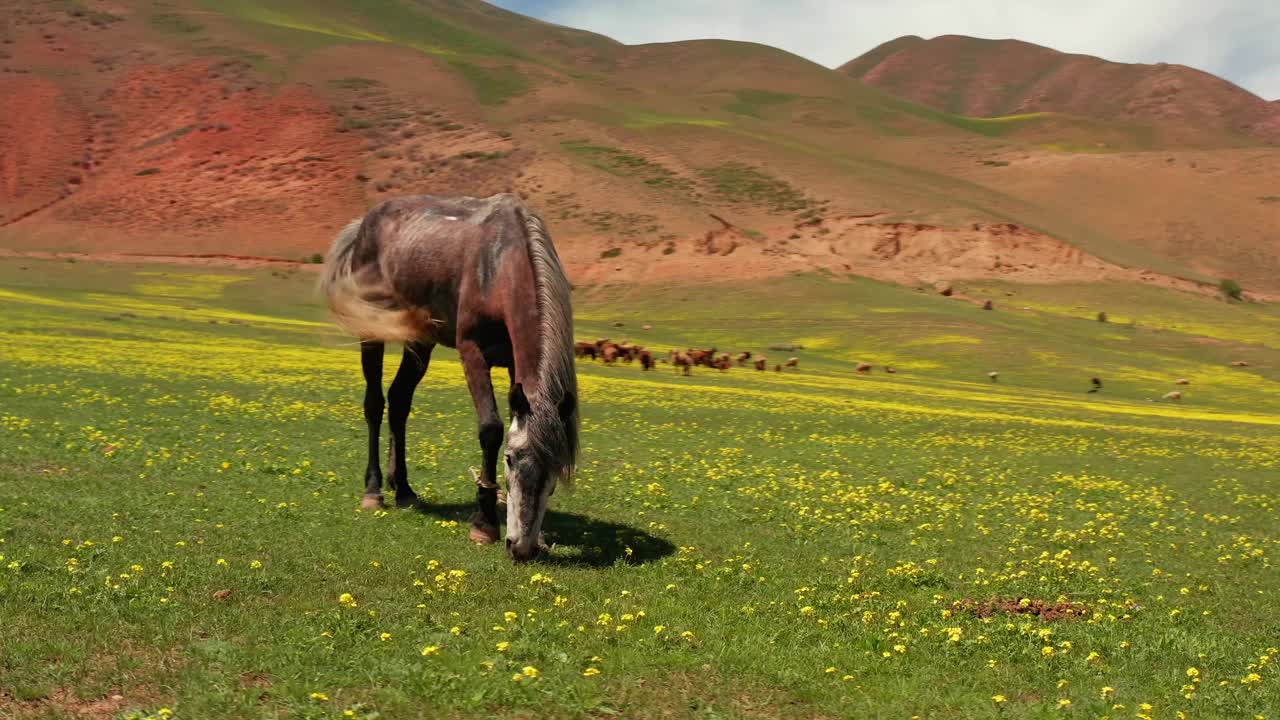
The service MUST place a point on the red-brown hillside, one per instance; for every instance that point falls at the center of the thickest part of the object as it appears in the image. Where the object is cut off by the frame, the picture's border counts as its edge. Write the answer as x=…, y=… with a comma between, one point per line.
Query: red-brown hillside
x=991, y=78
x=259, y=127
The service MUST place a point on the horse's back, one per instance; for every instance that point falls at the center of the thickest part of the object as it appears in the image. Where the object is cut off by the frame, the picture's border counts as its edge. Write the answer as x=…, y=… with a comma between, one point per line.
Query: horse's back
x=435, y=249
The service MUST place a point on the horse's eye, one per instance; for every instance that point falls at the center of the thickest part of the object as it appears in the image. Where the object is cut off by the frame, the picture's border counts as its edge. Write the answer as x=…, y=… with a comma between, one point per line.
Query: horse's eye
x=507, y=457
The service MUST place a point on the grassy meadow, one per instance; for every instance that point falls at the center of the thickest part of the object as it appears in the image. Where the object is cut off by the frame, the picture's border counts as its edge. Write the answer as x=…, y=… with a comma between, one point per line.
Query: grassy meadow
x=181, y=457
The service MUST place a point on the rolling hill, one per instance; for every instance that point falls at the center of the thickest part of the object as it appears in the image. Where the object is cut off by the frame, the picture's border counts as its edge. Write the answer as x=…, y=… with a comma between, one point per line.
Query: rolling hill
x=984, y=78
x=258, y=128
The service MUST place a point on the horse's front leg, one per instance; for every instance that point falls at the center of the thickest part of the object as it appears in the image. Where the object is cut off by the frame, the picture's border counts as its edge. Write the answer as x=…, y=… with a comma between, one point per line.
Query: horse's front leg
x=374, y=404
x=413, y=365
x=484, y=523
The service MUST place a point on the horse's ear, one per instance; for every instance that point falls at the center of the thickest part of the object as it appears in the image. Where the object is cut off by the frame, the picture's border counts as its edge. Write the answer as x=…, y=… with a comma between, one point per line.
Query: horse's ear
x=568, y=404
x=519, y=403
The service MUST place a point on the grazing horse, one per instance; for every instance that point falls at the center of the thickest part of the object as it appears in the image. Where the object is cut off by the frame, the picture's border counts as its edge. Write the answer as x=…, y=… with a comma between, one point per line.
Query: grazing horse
x=480, y=275
x=863, y=368
x=743, y=357
x=585, y=349
x=646, y=360
x=792, y=363
x=609, y=354
x=762, y=362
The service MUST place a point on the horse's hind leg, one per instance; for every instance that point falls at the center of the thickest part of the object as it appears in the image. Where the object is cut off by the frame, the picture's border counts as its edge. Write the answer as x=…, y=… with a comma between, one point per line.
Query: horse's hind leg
x=371, y=363
x=413, y=365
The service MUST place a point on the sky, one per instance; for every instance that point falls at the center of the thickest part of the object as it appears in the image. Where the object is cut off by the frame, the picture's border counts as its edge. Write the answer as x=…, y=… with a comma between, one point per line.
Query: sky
x=1235, y=39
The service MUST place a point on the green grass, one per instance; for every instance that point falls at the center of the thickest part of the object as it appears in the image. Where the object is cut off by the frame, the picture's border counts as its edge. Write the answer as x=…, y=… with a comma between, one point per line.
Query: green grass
x=175, y=23
x=427, y=29
x=492, y=86
x=737, y=545
x=736, y=182
x=356, y=83
x=619, y=162
x=749, y=101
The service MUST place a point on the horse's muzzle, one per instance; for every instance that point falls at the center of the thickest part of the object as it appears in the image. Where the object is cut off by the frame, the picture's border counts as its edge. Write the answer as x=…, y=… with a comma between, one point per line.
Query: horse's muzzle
x=522, y=551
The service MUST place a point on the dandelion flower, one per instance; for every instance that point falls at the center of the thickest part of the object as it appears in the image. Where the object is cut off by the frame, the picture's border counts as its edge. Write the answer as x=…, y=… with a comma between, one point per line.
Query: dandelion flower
x=502, y=646
x=591, y=672
x=529, y=671
x=347, y=600
x=998, y=699
x=319, y=696
x=430, y=650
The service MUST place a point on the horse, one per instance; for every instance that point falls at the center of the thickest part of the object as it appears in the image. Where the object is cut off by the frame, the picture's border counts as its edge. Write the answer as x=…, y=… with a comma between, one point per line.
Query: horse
x=482, y=276
x=682, y=362
x=743, y=357
x=585, y=349
x=762, y=362
x=646, y=360
x=610, y=354
x=863, y=368
x=792, y=363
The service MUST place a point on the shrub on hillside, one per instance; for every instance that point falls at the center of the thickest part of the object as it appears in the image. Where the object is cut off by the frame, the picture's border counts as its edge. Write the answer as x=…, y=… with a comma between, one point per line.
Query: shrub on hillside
x=1231, y=289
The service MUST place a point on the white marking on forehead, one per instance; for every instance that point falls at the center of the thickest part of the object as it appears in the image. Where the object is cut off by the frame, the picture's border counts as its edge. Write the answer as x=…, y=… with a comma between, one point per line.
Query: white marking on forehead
x=518, y=435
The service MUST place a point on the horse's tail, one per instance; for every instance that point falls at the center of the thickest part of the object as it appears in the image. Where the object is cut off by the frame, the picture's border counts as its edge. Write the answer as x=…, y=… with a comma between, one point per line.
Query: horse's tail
x=360, y=298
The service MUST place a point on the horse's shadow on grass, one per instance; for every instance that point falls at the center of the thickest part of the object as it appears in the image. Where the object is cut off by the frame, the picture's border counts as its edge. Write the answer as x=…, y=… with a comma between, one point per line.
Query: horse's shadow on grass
x=576, y=540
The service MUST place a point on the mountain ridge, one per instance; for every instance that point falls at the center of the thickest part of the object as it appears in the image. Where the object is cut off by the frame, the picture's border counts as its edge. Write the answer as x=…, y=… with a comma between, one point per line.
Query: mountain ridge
x=992, y=77
x=259, y=128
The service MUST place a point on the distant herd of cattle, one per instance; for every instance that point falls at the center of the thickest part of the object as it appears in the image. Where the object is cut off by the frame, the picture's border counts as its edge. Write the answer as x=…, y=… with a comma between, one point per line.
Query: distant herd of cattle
x=683, y=361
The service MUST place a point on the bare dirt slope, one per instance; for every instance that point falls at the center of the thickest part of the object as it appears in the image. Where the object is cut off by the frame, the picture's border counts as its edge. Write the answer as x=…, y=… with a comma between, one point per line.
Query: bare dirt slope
x=258, y=128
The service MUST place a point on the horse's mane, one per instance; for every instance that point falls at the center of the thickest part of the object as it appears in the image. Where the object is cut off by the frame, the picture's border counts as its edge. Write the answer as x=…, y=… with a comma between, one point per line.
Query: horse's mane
x=553, y=440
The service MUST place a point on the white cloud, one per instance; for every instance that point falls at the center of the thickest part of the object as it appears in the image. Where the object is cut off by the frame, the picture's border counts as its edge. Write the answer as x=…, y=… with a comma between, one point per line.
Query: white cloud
x=1232, y=38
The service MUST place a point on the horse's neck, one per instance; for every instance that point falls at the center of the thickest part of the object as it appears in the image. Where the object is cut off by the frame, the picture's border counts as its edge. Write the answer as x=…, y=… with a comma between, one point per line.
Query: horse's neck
x=524, y=326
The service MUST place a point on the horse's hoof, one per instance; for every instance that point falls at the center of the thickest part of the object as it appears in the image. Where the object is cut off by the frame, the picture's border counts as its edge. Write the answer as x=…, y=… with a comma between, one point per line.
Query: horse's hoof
x=484, y=534
x=372, y=502
x=407, y=500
